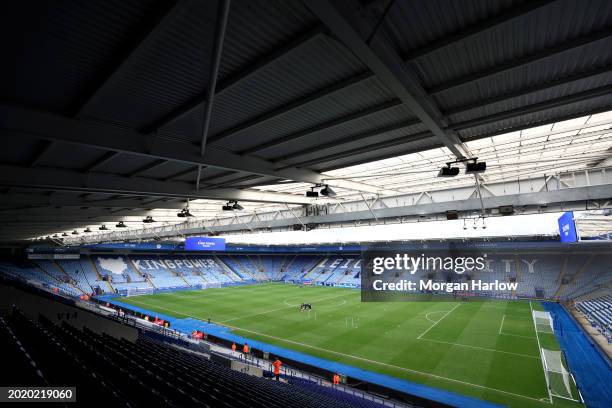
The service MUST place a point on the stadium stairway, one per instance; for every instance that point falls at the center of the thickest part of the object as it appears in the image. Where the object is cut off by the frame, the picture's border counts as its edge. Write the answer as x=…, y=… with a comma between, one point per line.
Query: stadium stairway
x=593, y=373
x=94, y=267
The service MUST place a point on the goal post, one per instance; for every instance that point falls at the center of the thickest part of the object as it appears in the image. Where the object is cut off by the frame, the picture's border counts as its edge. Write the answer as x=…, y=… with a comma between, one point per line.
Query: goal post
x=543, y=321
x=556, y=373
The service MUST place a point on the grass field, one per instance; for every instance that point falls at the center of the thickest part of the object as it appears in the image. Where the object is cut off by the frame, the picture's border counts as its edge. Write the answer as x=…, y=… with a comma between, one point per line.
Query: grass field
x=488, y=350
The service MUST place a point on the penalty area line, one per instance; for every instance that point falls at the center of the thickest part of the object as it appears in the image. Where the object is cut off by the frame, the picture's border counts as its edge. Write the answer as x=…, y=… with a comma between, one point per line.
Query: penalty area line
x=480, y=348
x=437, y=321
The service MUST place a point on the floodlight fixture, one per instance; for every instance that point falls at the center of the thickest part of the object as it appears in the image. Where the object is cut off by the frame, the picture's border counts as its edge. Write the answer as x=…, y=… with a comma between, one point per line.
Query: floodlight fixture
x=475, y=167
x=328, y=192
x=184, y=213
x=448, y=171
x=312, y=193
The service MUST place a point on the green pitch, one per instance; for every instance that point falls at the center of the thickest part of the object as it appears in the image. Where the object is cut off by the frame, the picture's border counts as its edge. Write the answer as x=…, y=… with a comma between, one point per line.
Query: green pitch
x=488, y=350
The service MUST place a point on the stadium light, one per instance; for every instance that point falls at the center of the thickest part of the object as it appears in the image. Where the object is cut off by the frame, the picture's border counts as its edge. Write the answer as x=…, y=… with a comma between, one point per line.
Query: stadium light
x=472, y=166
x=184, y=213
x=120, y=224
x=103, y=228
x=312, y=193
x=231, y=206
x=448, y=171
x=475, y=167
x=75, y=232
x=86, y=230
x=64, y=234
x=148, y=220
x=328, y=192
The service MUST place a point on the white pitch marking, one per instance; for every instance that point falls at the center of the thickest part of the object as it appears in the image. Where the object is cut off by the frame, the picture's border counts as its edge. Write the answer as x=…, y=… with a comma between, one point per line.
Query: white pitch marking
x=438, y=321
x=433, y=321
x=502, y=324
x=480, y=348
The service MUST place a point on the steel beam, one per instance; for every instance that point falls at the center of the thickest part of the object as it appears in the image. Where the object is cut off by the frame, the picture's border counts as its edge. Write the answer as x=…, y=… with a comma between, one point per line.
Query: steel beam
x=476, y=28
x=323, y=126
x=382, y=59
x=338, y=143
x=480, y=136
x=132, y=52
x=67, y=180
x=536, y=107
x=292, y=106
x=520, y=61
x=221, y=24
x=40, y=154
x=577, y=76
x=369, y=148
x=151, y=166
x=16, y=122
x=237, y=79
x=108, y=156
x=60, y=200
x=530, y=200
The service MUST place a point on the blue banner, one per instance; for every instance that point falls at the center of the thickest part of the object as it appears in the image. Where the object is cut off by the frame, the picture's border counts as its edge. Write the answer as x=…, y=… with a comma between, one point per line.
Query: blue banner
x=133, y=246
x=204, y=244
x=567, y=227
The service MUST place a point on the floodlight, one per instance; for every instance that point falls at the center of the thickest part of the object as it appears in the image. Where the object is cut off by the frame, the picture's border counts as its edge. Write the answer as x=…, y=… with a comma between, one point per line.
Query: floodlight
x=120, y=224
x=475, y=167
x=148, y=219
x=103, y=228
x=87, y=230
x=75, y=232
x=184, y=213
x=328, y=192
x=448, y=171
x=312, y=193
x=237, y=206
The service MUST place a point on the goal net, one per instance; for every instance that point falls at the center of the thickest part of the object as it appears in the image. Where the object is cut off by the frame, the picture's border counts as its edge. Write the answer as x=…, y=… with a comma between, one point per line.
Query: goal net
x=558, y=377
x=136, y=291
x=543, y=321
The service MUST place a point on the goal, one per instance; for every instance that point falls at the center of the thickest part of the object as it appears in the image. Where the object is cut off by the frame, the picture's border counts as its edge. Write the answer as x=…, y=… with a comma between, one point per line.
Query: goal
x=543, y=322
x=556, y=373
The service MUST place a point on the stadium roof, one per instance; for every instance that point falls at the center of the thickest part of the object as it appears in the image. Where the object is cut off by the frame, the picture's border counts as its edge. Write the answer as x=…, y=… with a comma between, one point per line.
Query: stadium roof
x=565, y=146
x=112, y=108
